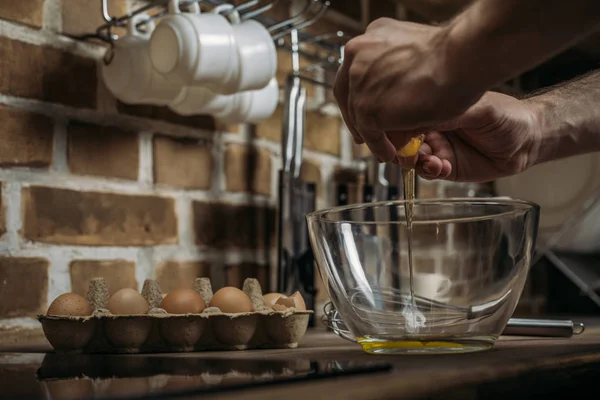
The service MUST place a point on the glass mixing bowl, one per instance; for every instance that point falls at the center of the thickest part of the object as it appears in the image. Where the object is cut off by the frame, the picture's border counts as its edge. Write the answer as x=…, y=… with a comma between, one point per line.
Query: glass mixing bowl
x=470, y=259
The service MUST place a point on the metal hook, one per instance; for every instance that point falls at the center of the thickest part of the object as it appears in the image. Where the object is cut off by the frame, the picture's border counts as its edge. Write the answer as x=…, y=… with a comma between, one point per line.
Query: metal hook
x=252, y=14
x=292, y=20
x=304, y=24
x=105, y=13
x=324, y=36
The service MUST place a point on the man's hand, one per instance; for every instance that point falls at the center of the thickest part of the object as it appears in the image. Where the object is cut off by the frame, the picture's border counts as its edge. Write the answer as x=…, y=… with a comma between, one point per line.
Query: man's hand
x=498, y=136
x=395, y=78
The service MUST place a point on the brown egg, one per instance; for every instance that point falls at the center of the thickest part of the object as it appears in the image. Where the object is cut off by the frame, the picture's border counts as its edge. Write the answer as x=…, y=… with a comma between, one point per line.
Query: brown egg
x=230, y=299
x=127, y=302
x=183, y=301
x=70, y=304
x=271, y=298
x=294, y=300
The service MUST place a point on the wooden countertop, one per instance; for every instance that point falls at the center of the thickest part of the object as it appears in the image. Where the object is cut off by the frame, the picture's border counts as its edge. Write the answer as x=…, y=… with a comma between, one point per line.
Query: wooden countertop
x=417, y=376
x=520, y=365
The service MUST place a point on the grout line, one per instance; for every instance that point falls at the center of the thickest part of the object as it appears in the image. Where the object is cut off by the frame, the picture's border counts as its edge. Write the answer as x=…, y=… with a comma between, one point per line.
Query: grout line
x=105, y=119
x=52, y=16
x=60, y=150
x=146, y=160
x=46, y=37
x=121, y=186
x=144, y=266
x=218, y=183
x=11, y=194
x=185, y=222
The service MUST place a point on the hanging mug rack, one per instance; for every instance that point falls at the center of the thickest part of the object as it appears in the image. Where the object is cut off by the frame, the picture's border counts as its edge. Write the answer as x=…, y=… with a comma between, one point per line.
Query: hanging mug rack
x=233, y=83
x=328, y=46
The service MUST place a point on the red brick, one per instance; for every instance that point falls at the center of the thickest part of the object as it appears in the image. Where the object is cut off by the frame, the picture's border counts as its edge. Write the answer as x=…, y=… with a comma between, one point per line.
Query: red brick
x=102, y=151
x=311, y=172
x=225, y=226
x=424, y=264
x=248, y=169
x=46, y=73
x=177, y=274
x=346, y=175
x=165, y=114
x=323, y=133
x=66, y=216
x=360, y=150
x=29, y=12
x=270, y=128
x=427, y=189
x=119, y=274
x=26, y=138
x=183, y=163
x=81, y=17
x=23, y=286
x=236, y=274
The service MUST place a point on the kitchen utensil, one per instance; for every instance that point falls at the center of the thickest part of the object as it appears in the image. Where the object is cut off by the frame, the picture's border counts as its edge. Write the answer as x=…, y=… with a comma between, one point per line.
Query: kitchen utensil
x=129, y=75
x=514, y=327
x=482, y=246
x=193, y=48
x=296, y=197
x=397, y=304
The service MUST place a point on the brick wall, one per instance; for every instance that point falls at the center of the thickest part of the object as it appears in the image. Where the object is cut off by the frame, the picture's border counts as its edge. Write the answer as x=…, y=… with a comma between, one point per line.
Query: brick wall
x=93, y=187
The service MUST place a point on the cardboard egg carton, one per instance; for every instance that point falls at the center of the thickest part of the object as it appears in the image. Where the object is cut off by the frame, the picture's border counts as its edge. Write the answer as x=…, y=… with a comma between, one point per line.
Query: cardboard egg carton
x=158, y=331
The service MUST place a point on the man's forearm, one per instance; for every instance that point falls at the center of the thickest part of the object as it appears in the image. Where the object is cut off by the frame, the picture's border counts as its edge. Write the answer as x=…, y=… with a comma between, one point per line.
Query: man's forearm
x=495, y=40
x=568, y=119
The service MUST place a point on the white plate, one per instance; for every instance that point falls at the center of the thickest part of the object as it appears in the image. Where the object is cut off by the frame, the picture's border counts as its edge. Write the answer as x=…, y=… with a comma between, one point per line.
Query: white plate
x=559, y=187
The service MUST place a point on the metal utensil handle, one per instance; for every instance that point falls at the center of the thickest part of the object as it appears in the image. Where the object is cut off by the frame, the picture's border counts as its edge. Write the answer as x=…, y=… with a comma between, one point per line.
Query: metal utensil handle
x=299, y=132
x=514, y=327
x=543, y=327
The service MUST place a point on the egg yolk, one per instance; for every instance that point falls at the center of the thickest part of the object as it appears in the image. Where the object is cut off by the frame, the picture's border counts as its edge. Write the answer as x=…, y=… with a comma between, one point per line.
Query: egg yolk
x=412, y=147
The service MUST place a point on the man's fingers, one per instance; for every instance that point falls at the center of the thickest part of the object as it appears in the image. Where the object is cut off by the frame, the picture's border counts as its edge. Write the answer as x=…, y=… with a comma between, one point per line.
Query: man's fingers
x=446, y=169
x=380, y=146
x=431, y=164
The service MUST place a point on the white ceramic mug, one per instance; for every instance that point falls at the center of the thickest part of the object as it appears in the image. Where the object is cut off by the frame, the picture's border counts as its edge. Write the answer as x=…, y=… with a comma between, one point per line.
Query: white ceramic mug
x=432, y=286
x=194, y=49
x=249, y=106
x=199, y=100
x=130, y=76
x=255, y=48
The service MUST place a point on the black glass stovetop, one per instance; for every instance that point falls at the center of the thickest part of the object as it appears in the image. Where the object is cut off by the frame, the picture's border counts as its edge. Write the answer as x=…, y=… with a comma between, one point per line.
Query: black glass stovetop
x=65, y=377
